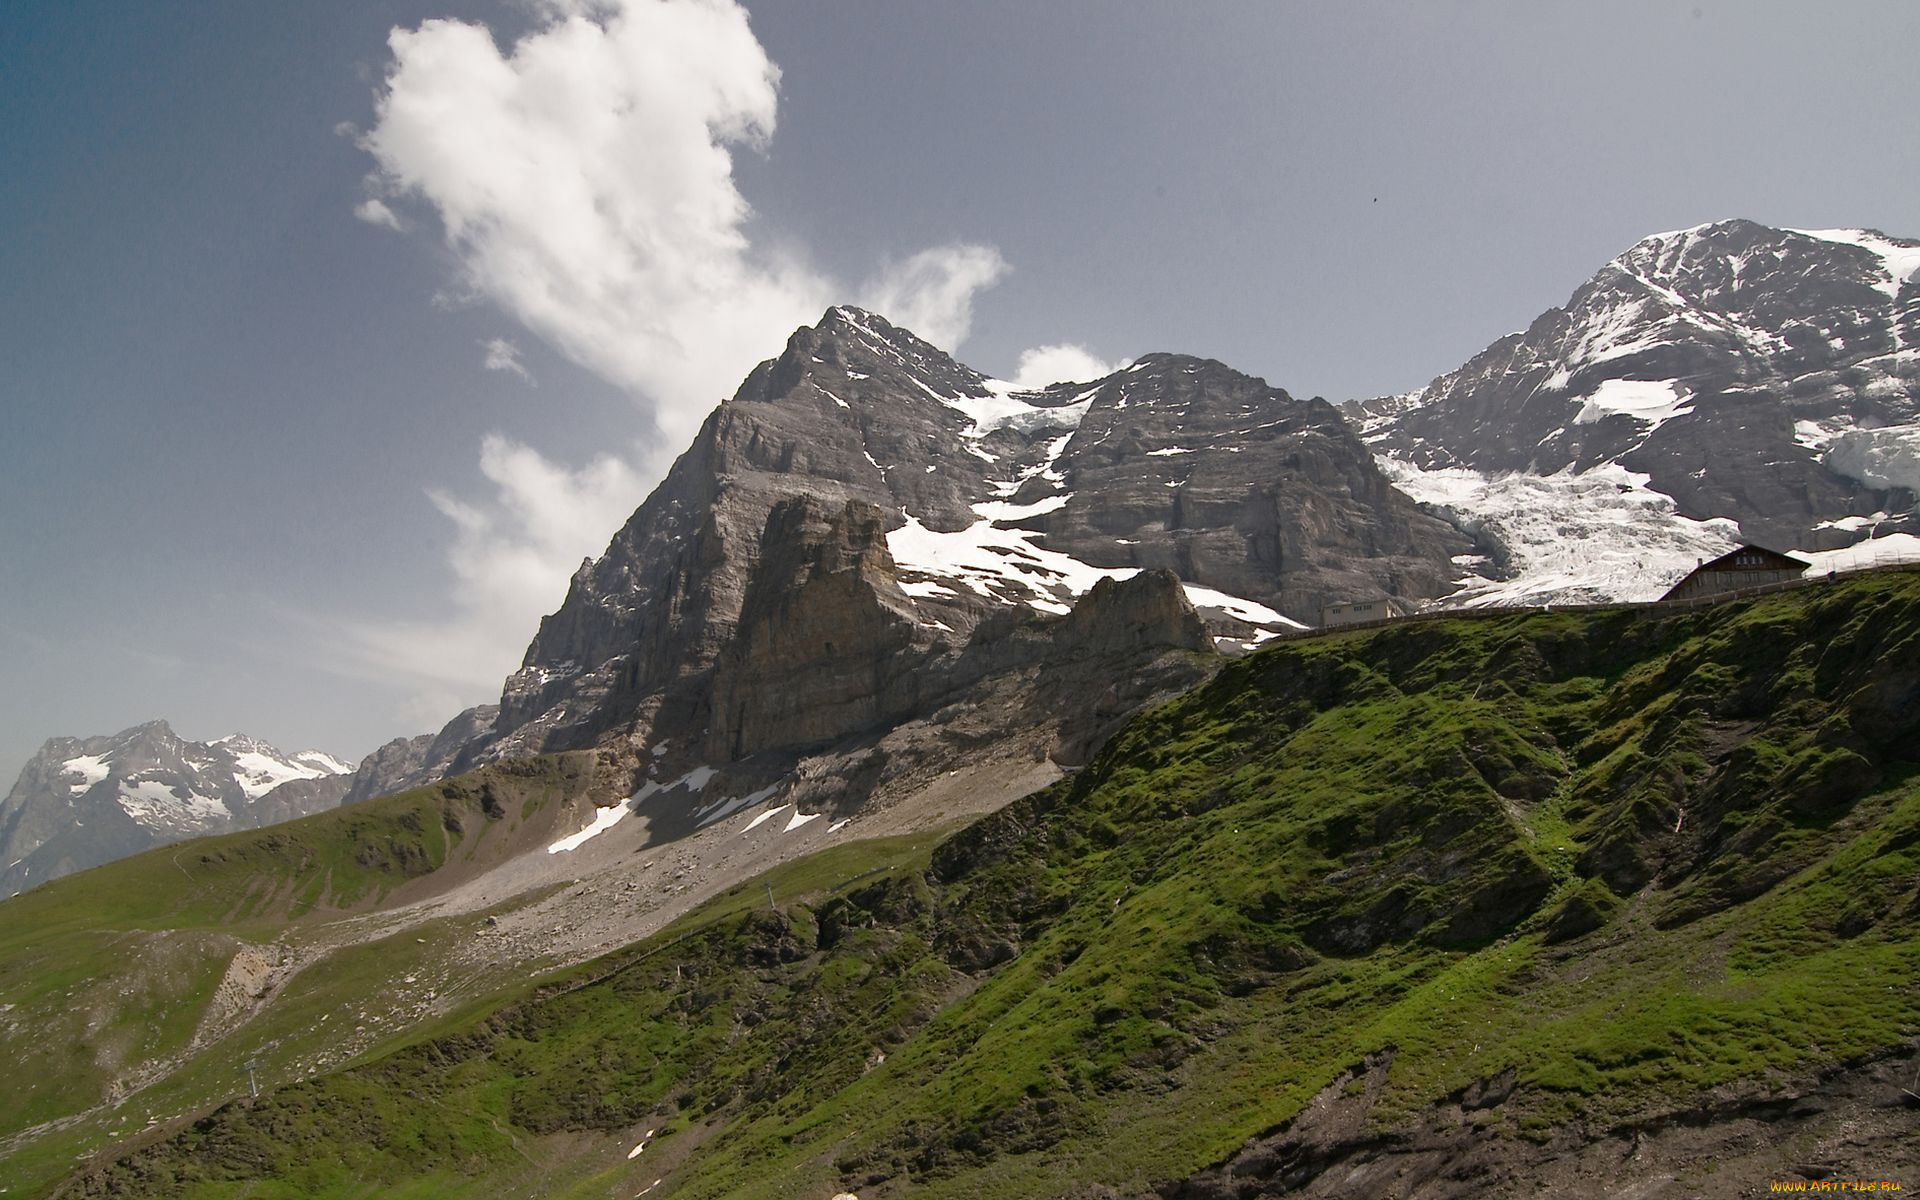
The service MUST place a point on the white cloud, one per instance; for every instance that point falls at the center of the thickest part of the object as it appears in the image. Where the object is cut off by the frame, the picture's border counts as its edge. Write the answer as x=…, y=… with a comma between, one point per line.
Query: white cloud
x=1061, y=362
x=503, y=355
x=511, y=556
x=932, y=292
x=582, y=179
x=374, y=211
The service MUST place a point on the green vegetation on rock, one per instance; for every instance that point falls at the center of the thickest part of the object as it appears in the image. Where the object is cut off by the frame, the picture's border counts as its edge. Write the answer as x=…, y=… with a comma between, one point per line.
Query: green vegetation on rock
x=1544, y=873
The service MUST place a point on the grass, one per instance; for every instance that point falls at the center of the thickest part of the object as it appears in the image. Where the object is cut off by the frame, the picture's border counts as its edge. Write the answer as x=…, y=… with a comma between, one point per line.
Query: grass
x=108, y=975
x=1629, y=858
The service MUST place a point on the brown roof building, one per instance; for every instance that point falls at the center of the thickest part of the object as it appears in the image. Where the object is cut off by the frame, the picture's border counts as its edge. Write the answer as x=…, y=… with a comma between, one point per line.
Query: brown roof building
x=1748, y=566
x=1359, y=612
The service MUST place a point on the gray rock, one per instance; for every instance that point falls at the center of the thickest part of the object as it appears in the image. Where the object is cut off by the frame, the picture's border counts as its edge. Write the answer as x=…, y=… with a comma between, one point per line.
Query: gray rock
x=410, y=762
x=705, y=626
x=1757, y=329
x=81, y=802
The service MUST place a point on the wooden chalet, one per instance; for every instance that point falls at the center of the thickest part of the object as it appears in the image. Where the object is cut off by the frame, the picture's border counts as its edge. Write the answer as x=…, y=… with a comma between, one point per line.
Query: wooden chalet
x=1745, y=567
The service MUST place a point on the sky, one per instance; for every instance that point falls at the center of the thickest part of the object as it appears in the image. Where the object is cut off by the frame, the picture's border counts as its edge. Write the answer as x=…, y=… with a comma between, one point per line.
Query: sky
x=334, y=336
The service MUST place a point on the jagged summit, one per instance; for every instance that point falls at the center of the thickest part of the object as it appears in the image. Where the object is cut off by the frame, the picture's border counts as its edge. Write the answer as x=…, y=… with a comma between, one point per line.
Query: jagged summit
x=994, y=505
x=1727, y=381
x=84, y=801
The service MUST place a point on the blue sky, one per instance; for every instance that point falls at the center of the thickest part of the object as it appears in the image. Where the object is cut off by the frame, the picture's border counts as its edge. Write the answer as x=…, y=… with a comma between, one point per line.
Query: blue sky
x=325, y=353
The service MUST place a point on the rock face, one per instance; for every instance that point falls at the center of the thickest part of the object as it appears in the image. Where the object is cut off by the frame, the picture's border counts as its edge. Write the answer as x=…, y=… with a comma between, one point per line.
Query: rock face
x=869, y=536
x=1749, y=373
x=1185, y=464
x=84, y=801
x=409, y=762
x=816, y=655
x=981, y=497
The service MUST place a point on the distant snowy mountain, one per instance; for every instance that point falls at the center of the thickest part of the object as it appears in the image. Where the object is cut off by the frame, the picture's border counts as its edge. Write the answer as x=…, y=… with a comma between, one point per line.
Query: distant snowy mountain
x=1721, y=383
x=84, y=801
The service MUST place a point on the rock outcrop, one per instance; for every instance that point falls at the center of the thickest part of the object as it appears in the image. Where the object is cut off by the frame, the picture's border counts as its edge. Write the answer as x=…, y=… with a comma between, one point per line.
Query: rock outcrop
x=825, y=643
x=1185, y=464
x=409, y=762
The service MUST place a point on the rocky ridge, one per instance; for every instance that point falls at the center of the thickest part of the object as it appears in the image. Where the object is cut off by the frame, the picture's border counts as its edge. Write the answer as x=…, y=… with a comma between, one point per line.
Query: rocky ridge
x=409, y=762
x=1732, y=381
x=80, y=802
x=869, y=532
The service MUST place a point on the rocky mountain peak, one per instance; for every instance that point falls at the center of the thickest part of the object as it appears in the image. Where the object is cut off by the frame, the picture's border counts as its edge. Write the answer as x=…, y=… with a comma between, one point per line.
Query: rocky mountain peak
x=83, y=801
x=869, y=529
x=1729, y=381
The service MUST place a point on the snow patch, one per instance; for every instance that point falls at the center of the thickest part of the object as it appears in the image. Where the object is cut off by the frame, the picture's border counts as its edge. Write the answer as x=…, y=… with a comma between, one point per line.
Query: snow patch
x=603, y=820
x=1900, y=262
x=1880, y=458
x=91, y=768
x=1003, y=565
x=1892, y=550
x=1852, y=524
x=257, y=773
x=764, y=817
x=1007, y=565
x=726, y=808
x=1002, y=405
x=1653, y=401
x=323, y=761
x=1817, y=435
x=151, y=802
x=1204, y=598
x=797, y=820
x=926, y=587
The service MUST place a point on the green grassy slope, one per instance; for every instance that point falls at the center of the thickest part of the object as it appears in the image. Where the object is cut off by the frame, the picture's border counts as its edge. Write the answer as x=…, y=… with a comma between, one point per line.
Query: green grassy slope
x=1621, y=860
x=106, y=975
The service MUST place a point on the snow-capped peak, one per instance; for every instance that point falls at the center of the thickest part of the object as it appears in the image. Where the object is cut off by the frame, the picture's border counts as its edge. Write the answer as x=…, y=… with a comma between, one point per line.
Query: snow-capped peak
x=100, y=795
x=258, y=768
x=1901, y=258
x=325, y=762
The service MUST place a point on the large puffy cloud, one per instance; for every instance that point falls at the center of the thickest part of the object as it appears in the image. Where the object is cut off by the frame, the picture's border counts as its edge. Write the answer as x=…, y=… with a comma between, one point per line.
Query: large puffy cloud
x=582, y=180
x=512, y=553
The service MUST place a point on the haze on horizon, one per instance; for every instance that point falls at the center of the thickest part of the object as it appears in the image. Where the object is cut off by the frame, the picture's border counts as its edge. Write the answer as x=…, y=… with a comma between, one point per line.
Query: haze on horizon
x=332, y=340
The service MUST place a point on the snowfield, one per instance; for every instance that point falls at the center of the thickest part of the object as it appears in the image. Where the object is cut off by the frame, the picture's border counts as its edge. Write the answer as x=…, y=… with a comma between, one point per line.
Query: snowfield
x=1597, y=537
x=1009, y=566
x=90, y=768
x=1567, y=538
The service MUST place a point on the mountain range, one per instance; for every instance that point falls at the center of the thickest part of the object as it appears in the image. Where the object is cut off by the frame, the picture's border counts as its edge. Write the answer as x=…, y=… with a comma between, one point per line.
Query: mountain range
x=932, y=790
x=84, y=801
x=1723, y=383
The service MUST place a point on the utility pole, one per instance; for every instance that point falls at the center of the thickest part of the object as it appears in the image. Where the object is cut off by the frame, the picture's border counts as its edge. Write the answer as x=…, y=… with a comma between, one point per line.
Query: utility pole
x=253, y=1087
x=770, y=903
